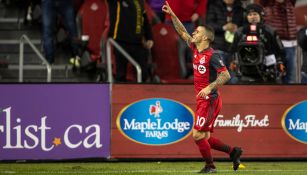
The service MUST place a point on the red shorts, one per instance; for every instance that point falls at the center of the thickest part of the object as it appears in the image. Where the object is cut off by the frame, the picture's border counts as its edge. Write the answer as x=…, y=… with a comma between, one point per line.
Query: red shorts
x=206, y=113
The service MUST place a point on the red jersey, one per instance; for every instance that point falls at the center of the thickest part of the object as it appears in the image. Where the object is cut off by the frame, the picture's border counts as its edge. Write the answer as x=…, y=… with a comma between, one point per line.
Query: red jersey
x=206, y=64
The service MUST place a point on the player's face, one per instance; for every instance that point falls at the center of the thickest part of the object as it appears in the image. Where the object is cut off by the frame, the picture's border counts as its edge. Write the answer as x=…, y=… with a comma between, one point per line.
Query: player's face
x=198, y=35
x=253, y=17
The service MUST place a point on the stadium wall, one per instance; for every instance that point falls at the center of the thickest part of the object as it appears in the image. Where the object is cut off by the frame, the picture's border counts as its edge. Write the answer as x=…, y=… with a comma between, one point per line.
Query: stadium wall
x=76, y=121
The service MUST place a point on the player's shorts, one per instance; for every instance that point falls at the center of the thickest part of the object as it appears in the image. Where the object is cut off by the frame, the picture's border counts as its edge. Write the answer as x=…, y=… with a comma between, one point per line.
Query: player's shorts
x=206, y=113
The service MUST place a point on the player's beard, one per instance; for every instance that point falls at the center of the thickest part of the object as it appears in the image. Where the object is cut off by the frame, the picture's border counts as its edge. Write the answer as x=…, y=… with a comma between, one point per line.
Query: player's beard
x=194, y=40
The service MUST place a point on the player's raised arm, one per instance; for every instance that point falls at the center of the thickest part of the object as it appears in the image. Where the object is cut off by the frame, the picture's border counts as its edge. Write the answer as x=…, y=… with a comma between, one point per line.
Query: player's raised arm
x=177, y=24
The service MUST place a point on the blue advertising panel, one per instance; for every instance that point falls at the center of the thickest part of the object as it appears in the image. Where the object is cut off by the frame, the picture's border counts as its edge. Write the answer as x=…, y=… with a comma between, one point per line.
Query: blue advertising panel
x=156, y=121
x=294, y=122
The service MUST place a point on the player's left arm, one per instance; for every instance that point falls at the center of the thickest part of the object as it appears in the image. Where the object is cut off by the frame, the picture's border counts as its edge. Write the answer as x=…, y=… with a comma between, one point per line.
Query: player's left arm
x=181, y=30
x=222, y=78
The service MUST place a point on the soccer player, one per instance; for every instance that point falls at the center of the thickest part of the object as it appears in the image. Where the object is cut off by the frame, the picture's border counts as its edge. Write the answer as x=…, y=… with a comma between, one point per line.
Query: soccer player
x=207, y=64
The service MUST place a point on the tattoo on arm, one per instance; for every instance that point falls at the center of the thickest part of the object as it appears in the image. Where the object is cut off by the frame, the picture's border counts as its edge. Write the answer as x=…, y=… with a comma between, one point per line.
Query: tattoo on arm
x=222, y=78
x=181, y=29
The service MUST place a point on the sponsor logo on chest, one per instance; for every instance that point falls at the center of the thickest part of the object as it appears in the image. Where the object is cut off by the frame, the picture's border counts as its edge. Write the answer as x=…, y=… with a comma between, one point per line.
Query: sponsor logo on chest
x=200, y=67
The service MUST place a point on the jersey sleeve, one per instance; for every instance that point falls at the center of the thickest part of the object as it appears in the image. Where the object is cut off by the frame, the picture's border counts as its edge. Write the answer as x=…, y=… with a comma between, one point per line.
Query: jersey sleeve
x=217, y=63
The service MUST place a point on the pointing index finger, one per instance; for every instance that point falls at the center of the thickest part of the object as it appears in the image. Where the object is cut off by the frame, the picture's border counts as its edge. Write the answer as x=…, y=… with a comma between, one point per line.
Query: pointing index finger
x=166, y=3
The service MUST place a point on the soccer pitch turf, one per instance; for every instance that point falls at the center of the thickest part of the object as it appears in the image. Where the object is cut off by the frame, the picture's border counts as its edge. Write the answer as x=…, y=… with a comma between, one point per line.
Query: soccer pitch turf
x=152, y=168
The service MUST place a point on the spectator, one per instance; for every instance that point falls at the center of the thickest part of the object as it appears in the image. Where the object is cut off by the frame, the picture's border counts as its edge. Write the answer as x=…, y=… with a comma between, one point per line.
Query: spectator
x=50, y=10
x=280, y=15
x=225, y=16
x=188, y=12
x=130, y=28
x=302, y=41
x=273, y=49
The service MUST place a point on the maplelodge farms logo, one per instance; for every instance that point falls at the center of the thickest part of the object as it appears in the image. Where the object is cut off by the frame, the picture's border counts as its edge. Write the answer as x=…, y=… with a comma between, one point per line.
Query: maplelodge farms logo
x=294, y=122
x=39, y=136
x=155, y=121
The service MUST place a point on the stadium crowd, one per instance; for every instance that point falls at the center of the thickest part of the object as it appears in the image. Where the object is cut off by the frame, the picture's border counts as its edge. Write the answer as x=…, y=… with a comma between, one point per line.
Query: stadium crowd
x=132, y=24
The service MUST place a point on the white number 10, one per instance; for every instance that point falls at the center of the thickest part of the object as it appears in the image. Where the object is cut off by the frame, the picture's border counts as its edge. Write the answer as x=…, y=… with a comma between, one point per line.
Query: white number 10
x=200, y=121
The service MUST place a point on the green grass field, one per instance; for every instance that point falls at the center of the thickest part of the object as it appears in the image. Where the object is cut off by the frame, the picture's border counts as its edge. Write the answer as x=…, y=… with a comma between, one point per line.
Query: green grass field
x=152, y=168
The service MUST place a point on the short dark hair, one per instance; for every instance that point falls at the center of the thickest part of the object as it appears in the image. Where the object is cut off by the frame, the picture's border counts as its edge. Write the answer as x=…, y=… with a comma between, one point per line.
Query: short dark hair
x=209, y=31
x=255, y=8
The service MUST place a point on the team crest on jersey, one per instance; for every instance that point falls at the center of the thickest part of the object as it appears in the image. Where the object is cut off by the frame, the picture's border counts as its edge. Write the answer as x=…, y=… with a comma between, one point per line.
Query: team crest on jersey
x=201, y=69
x=202, y=60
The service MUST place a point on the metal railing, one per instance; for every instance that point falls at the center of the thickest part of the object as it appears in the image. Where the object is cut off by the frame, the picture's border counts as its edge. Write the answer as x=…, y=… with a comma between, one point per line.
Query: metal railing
x=23, y=39
x=110, y=42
